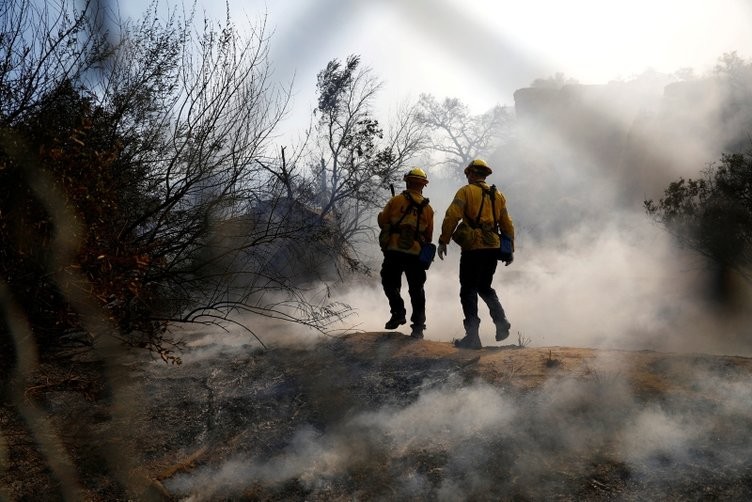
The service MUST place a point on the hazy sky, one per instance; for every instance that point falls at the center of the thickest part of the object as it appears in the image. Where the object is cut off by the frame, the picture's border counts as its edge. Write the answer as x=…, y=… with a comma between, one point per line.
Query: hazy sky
x=483, y=50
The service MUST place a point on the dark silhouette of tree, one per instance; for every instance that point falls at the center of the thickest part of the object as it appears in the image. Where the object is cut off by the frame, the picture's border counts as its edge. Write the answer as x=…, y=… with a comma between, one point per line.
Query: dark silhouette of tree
x=713, y=214
x=131, y=180
x=75, y=158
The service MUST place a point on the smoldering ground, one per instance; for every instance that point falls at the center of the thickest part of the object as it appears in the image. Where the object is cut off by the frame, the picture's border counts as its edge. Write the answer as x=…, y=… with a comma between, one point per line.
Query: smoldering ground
x=458, y=440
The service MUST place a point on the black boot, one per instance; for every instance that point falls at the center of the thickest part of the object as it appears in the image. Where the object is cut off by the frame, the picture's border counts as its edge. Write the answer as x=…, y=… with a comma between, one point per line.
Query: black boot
x=395, y=321
x=471, y=340
x=502, y=330
x=417, y=332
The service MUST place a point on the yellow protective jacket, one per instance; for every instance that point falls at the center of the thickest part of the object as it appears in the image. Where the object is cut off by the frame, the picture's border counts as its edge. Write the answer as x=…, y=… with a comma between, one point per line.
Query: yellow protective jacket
x=464, y=208
x=398, y=232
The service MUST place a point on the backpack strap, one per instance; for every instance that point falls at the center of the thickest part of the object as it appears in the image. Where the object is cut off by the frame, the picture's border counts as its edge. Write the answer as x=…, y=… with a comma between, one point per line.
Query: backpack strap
x=492, y=194
x=497, y=226
x=396, y=225
x=475, y=223
x=420, y=206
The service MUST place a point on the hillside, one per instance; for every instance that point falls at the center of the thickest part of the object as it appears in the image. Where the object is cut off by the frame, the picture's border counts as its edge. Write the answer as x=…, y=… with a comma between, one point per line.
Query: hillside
x=379, y=416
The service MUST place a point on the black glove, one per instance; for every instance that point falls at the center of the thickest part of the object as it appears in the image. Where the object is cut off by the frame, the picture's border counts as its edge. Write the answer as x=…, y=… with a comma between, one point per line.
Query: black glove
x=508, y=259
x=442, y=250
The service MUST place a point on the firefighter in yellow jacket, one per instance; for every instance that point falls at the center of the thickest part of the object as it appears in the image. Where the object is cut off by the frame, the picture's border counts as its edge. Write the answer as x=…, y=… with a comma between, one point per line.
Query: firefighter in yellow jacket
x=406, y=224
x=473, y=220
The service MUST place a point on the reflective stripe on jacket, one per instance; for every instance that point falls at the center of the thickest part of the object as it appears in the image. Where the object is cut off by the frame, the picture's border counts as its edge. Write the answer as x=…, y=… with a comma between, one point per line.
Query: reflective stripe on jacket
x=465, y=207
x=392, y=213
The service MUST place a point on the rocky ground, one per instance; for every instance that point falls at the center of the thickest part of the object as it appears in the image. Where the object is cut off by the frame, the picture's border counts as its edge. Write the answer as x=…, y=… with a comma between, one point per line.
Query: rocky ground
x=379, y=416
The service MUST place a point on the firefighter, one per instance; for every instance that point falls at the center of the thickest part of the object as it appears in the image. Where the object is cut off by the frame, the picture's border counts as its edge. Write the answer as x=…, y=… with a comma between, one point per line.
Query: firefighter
x=473, y=220
x=406, y=224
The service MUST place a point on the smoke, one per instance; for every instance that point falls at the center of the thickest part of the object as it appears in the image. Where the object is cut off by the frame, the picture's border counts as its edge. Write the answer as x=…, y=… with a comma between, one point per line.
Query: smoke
x=439, y=419
x=653, y=432
x=243, y=334
x=591, y=268
x=623, y=286
x=491, y=441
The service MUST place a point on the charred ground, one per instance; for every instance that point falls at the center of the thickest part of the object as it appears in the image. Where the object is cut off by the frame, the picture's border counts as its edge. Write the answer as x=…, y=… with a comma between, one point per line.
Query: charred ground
x=374, y=416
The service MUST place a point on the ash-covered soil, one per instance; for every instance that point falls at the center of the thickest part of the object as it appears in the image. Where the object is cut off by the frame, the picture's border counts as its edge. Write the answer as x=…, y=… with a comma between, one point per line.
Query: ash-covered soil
x=379, y=416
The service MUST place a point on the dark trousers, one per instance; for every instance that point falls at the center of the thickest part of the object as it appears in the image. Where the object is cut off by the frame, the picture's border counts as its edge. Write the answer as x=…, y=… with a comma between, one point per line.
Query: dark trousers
x=395, y=264
x=477, y=268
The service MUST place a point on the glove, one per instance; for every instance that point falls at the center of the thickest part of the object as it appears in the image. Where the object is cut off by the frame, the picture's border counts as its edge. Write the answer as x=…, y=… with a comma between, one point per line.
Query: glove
x=509, y=260
x=442, y=250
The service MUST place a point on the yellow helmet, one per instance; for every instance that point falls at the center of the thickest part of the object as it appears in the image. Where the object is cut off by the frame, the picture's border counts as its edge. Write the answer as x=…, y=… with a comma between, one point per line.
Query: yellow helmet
x=478, y=166
x=416, y=174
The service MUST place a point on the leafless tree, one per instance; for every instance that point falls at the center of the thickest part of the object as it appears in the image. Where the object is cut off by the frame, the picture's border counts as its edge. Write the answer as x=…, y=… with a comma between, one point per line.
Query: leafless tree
x=42, y=45
x=458, y=136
